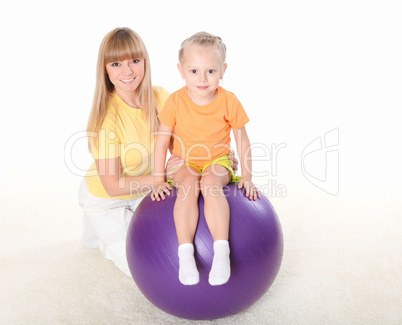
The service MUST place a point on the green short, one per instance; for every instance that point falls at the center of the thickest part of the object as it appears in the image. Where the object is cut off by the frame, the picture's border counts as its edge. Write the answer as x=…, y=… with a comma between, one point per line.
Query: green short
x=223, y=161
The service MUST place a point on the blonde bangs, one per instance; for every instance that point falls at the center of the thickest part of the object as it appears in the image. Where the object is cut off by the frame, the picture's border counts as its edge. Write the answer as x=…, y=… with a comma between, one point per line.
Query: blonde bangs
x=123, y=47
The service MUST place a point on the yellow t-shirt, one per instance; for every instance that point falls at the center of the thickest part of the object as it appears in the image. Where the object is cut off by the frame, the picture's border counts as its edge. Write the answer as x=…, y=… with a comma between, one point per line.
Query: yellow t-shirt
x=202, y=133
x=125, y=134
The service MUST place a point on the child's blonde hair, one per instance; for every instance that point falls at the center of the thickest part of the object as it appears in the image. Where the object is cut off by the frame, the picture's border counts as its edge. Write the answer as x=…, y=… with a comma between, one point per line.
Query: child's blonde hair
x=118, y=45
x=203, y=39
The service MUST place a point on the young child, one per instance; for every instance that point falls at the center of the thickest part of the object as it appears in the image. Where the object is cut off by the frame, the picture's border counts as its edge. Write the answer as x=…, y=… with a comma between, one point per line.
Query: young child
x=201, y=116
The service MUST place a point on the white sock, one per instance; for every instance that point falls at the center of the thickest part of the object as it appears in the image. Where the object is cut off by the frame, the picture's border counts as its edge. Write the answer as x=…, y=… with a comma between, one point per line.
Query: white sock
x=188, y=273
x=220, y=271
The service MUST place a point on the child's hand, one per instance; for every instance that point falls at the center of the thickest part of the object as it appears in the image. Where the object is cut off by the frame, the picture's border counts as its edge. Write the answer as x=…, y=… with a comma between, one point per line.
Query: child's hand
x=159, y=190
x=251, y=190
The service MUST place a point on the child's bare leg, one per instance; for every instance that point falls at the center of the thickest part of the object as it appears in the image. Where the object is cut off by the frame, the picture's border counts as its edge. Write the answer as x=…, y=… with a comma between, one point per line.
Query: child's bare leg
x=186, y=219
x=217, y=215
x=216, y=207
x=186, y=206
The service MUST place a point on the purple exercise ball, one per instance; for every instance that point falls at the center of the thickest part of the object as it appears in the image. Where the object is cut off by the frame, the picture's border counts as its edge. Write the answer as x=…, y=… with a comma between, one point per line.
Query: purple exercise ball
x=256, y=248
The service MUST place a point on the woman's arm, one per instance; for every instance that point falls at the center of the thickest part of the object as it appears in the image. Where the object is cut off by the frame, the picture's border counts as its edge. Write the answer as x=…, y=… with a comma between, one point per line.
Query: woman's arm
x=109, y=171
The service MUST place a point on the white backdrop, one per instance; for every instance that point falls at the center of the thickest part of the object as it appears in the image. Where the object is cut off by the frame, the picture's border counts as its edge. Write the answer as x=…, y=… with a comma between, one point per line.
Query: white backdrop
x=302, y=69
x=321, y=82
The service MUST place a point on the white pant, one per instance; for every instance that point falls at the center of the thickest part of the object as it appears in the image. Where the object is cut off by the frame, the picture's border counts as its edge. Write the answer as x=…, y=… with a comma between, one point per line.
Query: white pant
x=105, y=225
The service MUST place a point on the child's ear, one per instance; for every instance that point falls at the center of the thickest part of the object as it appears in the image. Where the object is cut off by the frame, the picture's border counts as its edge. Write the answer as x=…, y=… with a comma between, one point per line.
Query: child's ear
x=179, y=68
x=225, y=65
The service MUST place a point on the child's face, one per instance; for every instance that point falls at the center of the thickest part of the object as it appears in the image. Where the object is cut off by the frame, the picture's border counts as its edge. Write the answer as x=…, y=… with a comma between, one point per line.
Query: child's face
x=202, y=68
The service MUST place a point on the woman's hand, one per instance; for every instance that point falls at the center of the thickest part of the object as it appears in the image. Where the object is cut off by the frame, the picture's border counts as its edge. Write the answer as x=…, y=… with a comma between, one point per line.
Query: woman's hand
x=234, y=163
x=173, y=164
x=251, y=190
x=159, y=190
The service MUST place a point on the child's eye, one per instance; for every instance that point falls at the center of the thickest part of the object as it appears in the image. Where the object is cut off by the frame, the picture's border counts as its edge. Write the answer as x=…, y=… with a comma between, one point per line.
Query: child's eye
x=193, y=71
x=211, y=71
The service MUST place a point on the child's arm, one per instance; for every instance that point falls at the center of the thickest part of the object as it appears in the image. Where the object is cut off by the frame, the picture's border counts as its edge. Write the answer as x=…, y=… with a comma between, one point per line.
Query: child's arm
x=160, y=187
x=244, y=151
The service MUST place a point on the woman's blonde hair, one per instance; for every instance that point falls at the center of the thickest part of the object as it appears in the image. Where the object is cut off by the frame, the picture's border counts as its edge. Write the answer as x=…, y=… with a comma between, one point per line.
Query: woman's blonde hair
x=118, y=45
x=203, y=39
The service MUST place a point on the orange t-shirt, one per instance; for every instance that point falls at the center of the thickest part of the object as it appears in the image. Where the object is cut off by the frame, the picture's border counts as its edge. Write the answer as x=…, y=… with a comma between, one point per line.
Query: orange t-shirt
x=202, y=133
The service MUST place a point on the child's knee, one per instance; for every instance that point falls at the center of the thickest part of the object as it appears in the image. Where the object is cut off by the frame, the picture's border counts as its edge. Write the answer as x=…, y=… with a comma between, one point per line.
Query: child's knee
x=187, y=175
x=215, y=175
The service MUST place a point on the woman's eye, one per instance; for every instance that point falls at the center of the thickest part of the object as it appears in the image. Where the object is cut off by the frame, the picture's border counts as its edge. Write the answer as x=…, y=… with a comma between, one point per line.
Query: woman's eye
x=115, y=64
x=135, y=61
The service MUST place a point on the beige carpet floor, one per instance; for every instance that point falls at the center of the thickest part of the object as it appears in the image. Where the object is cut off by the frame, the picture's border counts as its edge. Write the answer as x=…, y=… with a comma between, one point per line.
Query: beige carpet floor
x=342, y=260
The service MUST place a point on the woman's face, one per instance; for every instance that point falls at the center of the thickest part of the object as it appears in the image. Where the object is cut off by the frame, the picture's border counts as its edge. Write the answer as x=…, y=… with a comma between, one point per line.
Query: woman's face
x=126, y=75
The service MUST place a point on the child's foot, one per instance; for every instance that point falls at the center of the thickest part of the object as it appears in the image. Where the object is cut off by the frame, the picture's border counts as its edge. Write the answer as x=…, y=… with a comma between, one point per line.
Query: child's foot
x=220, y=271
x=188, y=273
